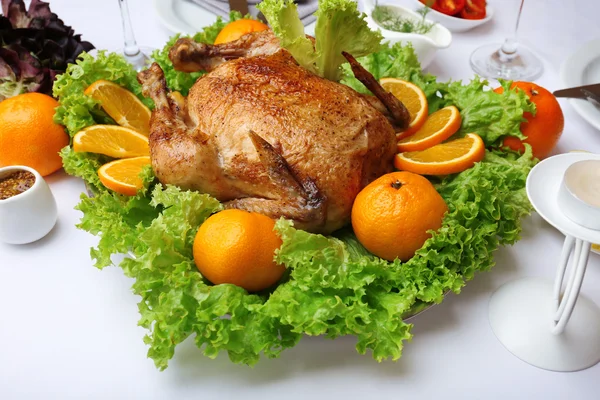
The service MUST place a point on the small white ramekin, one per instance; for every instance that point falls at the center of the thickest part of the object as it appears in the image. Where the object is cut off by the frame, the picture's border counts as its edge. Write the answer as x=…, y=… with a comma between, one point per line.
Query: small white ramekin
x=30, y=215
x=574, y=206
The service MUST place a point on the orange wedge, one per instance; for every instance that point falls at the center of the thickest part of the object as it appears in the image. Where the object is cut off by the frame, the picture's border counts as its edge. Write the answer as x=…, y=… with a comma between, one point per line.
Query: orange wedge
x=111, y=140
x=122, y=105
x=413, y=99
x=443, y=159
x=122, y=176
x=438, y=127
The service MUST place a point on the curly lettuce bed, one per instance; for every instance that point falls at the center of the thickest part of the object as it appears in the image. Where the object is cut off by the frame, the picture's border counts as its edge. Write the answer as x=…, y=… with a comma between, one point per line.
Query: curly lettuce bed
x=333, y=286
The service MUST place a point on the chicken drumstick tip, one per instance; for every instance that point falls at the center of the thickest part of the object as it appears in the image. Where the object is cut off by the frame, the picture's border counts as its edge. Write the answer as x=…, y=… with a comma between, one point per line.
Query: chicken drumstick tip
x=397, y=110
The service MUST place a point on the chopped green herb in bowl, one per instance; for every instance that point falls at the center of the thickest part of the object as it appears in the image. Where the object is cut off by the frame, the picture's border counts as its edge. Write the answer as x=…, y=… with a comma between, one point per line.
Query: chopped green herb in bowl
x=391, y=20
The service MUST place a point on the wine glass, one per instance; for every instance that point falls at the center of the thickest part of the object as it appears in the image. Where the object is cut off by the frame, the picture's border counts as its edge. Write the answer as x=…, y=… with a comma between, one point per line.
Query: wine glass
x=508, y=60
x=138, y=56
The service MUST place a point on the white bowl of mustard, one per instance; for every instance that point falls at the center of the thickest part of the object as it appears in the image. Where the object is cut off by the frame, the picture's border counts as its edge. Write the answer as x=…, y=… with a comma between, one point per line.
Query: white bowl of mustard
x=27, y=207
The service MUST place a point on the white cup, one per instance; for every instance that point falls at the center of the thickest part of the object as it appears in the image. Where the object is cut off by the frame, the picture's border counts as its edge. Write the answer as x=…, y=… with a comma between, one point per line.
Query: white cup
x=30, y=215
x=581, y=207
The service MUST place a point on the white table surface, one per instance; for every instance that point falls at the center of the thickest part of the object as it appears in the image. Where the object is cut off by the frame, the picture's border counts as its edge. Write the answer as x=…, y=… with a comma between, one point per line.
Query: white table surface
x=68, y=330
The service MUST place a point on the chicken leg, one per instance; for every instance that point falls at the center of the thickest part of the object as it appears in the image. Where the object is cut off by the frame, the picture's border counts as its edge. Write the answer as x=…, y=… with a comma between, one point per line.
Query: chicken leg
x=397, y=110
x=301, y=202
x=175, y=147
x=188, y=55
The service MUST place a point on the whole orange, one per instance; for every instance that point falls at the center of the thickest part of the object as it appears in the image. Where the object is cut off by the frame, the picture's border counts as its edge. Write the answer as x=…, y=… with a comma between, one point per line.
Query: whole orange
x=237, y=247
x=542, y=130
x=28, y=135
x=236, y=29
x=392, y=216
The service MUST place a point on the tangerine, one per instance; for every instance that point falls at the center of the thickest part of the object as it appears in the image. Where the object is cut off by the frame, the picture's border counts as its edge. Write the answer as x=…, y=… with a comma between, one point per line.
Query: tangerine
x=393, y=215
x=543, y=130
x=236, y=29
x=238, y=247
x=28, y=134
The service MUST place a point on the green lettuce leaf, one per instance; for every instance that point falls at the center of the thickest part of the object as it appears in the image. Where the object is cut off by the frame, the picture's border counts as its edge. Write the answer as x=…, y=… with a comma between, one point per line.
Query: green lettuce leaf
x=491, y=115
x=286, y=24
x=341, y=27
x=76, y=110
x=85, y=166
x=334, y=291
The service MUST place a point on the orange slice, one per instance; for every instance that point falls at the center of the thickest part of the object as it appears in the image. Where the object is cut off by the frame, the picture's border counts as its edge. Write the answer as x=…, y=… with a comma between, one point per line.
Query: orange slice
x=111, y=140
x=122, y=176
x=443, y=159
x=438, y=127
x=413, y=99
x=122, y=105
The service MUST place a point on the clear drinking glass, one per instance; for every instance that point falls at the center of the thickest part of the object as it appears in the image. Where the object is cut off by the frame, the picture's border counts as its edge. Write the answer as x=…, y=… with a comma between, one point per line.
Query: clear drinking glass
x=138, y=56
x=509, y=60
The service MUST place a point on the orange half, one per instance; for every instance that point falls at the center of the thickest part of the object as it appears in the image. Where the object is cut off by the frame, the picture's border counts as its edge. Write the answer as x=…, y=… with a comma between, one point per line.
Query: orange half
x=122, y=176
x=122, y=105
x=438, y=127
x=413, y=99
x=443, y=159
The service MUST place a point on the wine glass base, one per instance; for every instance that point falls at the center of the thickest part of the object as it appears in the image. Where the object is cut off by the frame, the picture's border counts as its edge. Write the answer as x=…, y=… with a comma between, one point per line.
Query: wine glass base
x=140, y=60
x=521, y=316
x=489, y=62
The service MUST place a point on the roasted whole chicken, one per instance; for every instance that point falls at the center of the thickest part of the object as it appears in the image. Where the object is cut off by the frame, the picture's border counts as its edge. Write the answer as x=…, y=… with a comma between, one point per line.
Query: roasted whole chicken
x=260, y=133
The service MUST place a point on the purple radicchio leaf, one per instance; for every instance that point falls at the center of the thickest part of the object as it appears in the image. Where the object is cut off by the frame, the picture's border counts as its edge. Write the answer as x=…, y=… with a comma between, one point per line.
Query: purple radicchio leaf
x=15, y=11
x=40, y=9
x=27, y=73
x=36, y=46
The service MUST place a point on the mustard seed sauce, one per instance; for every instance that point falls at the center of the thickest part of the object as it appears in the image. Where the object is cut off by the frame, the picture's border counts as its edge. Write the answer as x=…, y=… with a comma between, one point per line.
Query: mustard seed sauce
x=15, y=183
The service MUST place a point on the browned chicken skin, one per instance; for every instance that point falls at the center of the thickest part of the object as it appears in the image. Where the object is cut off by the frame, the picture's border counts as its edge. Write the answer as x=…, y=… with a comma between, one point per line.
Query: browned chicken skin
x=262, y=134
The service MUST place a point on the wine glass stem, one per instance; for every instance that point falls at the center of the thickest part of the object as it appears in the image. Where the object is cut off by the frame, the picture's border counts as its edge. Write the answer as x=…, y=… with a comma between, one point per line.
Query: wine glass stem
x=509, y=47
x=131, y=48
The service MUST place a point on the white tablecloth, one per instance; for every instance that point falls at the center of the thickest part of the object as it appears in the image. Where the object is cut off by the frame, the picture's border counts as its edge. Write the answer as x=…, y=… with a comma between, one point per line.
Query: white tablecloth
x=68, y=331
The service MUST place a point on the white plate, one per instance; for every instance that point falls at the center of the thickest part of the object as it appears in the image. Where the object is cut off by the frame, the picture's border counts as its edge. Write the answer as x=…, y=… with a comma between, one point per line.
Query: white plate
x=181, y=16
x=583, y=68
